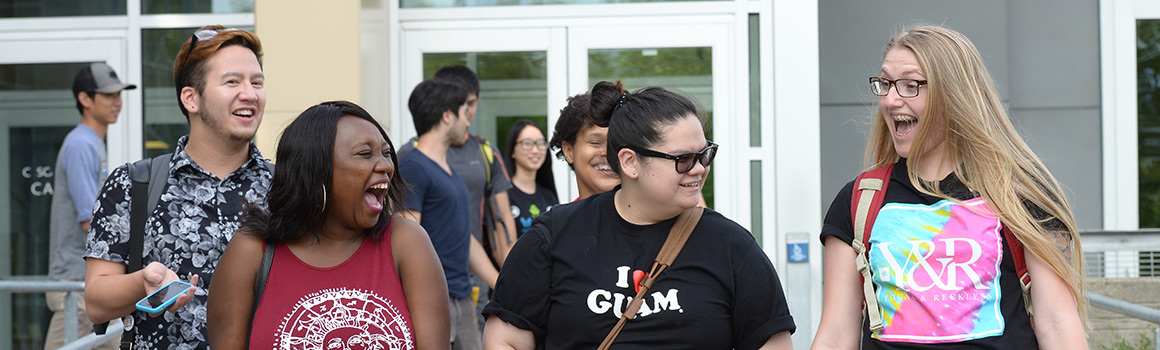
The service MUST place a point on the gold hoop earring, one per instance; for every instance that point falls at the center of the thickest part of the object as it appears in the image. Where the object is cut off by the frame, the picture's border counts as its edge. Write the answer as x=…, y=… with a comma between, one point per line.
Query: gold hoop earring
x=323, y=200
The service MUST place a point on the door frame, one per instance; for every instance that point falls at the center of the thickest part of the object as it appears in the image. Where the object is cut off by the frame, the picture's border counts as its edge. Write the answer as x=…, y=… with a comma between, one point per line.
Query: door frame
x=1119, y=110
x=110, y=46
x=567, y=43
x=787, y=160
x=416, y=43
x=64, y=47
x=714, y=32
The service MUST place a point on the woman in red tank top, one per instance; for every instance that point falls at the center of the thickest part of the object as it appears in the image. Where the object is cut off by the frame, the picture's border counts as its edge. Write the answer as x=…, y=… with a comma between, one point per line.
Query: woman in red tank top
x=345, y=273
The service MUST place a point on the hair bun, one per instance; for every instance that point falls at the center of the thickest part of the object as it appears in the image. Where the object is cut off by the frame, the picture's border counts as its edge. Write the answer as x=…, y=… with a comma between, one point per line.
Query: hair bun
x=606, y=97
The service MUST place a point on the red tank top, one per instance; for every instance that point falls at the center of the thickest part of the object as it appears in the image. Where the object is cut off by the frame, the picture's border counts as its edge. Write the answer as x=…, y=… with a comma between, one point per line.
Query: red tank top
x=355, y=305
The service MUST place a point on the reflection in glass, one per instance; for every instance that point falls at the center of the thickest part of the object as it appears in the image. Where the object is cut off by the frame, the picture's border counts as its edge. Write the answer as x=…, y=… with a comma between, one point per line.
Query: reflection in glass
x=1148, y=89
x=196, y=6
x=164, y=123
x=687, y=71
x=481, y=3
x=59, y=8
x=513, y=86
x=32, y=152
x=54, y=80
x=36, y=112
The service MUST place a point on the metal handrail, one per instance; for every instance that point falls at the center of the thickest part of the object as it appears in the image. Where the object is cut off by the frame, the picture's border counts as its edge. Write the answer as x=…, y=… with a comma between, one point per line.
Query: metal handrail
x=40, y=286
x=115, y=328
x=70, y=310
x=1125, y=308
x=1100, y=232
x=91, y=340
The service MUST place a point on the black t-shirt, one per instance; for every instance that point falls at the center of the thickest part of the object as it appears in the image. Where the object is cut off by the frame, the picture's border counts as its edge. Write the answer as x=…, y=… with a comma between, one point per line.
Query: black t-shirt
x=929, y=296
x=526, y=207
x=571, y=275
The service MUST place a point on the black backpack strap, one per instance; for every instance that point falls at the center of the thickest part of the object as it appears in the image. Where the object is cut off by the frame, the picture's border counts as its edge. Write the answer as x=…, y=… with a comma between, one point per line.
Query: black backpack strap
x=158, y=178
x=149, y=177
x=260, y=281
x=138, y=212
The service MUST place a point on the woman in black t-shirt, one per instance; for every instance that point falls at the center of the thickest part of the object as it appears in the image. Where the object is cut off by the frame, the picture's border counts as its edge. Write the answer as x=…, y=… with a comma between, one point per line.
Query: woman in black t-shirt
x=533, y=189
x=965, y=193
x=568, y=279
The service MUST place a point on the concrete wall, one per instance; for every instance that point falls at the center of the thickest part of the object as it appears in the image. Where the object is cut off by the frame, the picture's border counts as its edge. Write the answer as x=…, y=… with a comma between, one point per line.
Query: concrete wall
x=1044, y=55
x=311, y=55
x=1106, y=325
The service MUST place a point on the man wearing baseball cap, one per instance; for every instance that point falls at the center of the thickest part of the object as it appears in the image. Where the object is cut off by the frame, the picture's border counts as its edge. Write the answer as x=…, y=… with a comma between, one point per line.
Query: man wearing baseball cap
x=81, y=167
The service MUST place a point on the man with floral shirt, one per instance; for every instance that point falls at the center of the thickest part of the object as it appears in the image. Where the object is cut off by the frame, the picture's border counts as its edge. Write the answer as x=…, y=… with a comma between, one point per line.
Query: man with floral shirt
x=214, y=172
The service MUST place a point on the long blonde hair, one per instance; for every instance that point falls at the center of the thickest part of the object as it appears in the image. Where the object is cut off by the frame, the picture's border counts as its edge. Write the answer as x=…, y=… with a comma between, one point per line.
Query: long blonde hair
x=988, y=154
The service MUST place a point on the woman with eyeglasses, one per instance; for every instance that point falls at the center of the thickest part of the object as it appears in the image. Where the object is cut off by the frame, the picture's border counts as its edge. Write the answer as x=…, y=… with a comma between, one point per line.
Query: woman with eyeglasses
x=534, y=189
x=938, y=266
x=569, y=278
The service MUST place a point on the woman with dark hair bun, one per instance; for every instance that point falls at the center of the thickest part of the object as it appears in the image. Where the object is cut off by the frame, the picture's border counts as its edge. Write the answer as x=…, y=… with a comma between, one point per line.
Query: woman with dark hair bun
x=344, y=269
x=569, y=278
x=533, y=189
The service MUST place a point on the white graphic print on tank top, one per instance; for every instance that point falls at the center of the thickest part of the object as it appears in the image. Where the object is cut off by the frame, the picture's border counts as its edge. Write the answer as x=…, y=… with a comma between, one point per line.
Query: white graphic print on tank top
x=344, y=318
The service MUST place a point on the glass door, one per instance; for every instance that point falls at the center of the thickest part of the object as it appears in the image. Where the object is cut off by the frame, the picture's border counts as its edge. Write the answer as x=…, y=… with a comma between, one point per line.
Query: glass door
x=530, y=72
x=515, y=70
x=692, y=58
x=36, y=111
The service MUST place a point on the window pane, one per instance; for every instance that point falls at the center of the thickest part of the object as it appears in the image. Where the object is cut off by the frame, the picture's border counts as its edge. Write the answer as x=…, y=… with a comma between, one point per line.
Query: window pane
x=164, y=123
x=513, y=86
x=1148, y=88
x=36, y=112
x=478, y=3
x=58, y=8
x=754, y=82
x=196, y=6
x=688, y=71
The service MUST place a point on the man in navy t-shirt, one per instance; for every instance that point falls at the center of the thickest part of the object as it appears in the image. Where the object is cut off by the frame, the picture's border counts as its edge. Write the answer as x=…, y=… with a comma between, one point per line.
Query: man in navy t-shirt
x=439, y=201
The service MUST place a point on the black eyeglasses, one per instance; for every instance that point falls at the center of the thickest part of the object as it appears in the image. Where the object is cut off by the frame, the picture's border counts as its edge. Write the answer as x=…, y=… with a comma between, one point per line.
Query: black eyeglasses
x=906, y=88
x=529, y=144
x=685, y=161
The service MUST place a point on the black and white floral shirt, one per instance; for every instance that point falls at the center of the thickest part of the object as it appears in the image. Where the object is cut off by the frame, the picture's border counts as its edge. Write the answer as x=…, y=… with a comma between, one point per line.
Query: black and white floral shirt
x=187, y=231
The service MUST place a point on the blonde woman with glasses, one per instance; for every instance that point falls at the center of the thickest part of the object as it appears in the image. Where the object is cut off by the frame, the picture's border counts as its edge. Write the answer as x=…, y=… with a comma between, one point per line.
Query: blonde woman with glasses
x=964, y=197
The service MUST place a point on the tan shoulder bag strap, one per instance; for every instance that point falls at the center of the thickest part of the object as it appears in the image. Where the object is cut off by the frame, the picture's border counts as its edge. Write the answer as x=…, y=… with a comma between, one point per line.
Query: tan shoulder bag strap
x=673, y=244
x=866, y=188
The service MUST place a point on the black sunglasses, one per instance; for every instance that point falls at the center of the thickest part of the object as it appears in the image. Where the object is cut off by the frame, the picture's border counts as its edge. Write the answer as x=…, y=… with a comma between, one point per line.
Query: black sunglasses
x=685, y=161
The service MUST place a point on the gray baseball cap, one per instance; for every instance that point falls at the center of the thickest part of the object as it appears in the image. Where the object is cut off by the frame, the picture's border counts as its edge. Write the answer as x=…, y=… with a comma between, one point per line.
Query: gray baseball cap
x=99, y=77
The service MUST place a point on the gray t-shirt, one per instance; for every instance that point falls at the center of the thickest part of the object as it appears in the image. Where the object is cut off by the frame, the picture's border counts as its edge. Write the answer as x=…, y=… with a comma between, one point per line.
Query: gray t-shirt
x=81, y=167
x=468, y=163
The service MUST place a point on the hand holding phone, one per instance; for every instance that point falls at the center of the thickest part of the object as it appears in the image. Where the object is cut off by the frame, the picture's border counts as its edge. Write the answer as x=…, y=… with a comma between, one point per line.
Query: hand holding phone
x=163, y=297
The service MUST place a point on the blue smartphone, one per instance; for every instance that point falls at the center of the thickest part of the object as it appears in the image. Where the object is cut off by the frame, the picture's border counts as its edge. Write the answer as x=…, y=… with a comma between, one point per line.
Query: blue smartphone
x=163, y=297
